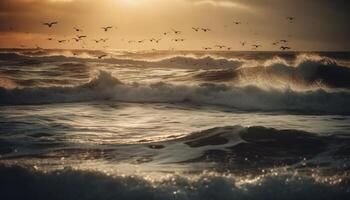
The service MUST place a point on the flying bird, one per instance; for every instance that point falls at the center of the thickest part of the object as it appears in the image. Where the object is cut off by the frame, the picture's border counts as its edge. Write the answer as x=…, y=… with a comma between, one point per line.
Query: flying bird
x=49, y=24
x=243, y=43
x=76, y=39
x=176, y=32
x=195, y=29
x=107, y=28
x=237, y=22
x=77, y=29
x=101, y=56
x=290, y=19
x=283, y=48
x=206, y=48
x=205, y=29
x=81, y=36
x=61, y=41
x=256, y=46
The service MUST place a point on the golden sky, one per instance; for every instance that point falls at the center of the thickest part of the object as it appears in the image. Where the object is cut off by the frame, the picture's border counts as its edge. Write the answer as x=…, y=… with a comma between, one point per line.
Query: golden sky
x=318, y=24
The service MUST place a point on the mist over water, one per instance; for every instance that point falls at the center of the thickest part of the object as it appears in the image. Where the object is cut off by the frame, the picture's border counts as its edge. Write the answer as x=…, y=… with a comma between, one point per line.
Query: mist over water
x=174, y=125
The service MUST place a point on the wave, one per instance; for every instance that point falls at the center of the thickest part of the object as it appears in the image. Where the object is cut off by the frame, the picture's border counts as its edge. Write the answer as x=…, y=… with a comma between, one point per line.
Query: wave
x=107, y=87
x=20, y=183
x=246, y=149
x=306, y=72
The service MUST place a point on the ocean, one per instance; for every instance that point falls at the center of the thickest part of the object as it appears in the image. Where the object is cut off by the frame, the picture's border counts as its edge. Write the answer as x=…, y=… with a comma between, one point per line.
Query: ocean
x=177, y=125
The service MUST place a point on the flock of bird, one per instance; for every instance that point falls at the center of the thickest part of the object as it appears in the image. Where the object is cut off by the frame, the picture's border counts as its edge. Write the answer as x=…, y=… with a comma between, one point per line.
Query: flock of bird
x=282, y=44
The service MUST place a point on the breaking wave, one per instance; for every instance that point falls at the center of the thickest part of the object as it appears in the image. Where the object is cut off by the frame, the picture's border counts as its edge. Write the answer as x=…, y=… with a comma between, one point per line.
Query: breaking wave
x=19, y=183
x=306, y=72
x=107, y=87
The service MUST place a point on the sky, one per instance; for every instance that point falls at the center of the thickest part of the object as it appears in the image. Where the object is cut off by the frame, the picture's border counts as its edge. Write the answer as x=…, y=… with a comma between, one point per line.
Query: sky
x=318, y=25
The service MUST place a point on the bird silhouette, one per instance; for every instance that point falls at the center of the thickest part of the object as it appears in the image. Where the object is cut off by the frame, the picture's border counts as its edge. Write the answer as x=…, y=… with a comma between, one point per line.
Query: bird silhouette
x=107, y=28
x=256, y=46
x=195, y=29
x=283, y=48
x=290, y=19
x=283, y=41
x=81, y=36
x=237, y=22
x=76, y=39
x=61, y=41
x=101, y=56
x=77, y=29
x=96, y=41
x=206, y=48
x=243, y=43
x=205, y=29
x=49, y=24
x=176, y=32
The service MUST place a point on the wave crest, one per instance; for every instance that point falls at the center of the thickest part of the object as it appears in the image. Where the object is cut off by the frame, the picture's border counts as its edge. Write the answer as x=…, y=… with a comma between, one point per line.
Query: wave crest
x=107, y=87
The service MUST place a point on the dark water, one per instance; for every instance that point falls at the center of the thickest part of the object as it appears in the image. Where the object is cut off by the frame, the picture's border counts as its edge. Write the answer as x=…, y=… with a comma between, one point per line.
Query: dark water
x=174, y=125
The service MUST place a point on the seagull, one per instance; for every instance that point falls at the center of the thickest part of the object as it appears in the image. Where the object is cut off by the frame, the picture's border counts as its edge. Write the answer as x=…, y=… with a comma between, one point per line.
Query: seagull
x=284, y=41
x=61, y=41
x=256, y=46
x=243, y=43
x=157, y=41
x=290, y=19
x=229, y=48
x=107, y=28
x=76, y=39
x=103, y=40
x=205, y=29
x=101, y=56
x=141, y=41
x=97, y=41
x=49, y=24
x=177, y=32
x=206, y=48
x=195, y=29
x=284, y=48
x=49, y=38
x=166, y=33
x=81, y=36
x=275, y=43
x=77, y=29
x=131, y=41
x=237, y=22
